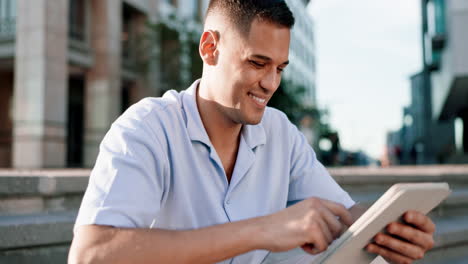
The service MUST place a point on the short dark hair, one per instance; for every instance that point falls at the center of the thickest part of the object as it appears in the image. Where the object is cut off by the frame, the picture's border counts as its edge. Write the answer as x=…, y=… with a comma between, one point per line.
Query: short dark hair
x=241, y=13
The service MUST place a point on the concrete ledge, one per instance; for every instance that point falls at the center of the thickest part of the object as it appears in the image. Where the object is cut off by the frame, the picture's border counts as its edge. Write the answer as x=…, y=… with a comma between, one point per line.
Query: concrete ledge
x=46, y=182
x=45, y=173
x=452, y=255
x=43, y=229
x=456, y=198
x=19, y=205
x=350, y=175
x=39, y=255
x=59, y=181
x=38, y=208
x=36, y=229
x=451, y=231
x=432, y=170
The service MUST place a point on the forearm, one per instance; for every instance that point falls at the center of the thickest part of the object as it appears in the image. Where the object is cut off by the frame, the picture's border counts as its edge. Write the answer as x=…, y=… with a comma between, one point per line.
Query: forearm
x=98, y=244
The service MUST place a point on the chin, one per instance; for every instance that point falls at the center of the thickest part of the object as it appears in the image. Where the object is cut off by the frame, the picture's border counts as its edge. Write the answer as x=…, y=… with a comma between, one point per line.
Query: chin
x=253, y=120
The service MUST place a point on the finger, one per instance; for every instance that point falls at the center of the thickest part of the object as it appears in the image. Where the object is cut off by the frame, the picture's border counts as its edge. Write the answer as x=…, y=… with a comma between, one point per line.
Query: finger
x=411, y=234
x=388, y=254
x=399, y=246
x=319, y=238
x=325, y=230
x=420, y=221
x=339, y=210
x=311, y=249
x=335, y=226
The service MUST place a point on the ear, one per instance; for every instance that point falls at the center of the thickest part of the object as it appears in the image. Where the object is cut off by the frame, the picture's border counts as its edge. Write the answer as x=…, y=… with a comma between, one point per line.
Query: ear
x=209, y=47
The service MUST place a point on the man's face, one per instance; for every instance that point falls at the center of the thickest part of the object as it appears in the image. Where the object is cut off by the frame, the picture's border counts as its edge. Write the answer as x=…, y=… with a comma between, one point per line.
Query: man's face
x=249, y=70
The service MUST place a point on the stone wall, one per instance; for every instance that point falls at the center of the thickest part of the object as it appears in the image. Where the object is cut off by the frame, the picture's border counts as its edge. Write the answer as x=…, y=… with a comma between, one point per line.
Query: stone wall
x=38, y=208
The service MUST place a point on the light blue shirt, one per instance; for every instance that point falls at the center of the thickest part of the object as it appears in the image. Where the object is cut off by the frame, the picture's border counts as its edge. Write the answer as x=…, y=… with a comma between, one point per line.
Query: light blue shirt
x=157, y=168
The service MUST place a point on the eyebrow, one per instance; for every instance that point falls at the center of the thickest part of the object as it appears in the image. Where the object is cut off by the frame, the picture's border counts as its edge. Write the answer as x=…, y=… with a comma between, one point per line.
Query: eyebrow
x=268, y=59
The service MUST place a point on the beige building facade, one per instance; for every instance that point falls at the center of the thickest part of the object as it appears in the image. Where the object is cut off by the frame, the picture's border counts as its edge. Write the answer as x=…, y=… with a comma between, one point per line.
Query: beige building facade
x=69, y=68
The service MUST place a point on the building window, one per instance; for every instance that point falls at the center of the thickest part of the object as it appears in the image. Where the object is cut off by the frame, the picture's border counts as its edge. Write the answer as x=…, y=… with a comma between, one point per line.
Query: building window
x=75, y=124
x=459, y=134
x=77, y=19
x=125, y=96
x=439, y=16
x=434, y=34
x=7, y=18
x=431, y=18
x=171, y=52
x=130, y=36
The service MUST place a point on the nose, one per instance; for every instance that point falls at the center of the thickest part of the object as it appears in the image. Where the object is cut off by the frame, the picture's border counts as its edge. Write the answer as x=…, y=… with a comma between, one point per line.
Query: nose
x=271, y=80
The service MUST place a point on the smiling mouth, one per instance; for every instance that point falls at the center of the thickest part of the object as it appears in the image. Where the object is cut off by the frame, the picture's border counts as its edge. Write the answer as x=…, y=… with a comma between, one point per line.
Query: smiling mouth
x=259, y=100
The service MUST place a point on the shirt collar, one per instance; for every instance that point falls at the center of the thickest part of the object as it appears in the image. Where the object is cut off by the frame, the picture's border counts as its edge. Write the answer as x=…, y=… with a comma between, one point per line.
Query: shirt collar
x=195, y=127
x=254, y=135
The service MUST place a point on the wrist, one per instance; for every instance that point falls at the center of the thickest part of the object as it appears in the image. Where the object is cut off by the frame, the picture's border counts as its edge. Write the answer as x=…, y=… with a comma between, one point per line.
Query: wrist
x=259, y=232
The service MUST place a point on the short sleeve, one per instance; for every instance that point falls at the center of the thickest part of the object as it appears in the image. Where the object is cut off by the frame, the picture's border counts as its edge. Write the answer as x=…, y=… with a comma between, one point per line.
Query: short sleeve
x=309, y=178
x=127, y=184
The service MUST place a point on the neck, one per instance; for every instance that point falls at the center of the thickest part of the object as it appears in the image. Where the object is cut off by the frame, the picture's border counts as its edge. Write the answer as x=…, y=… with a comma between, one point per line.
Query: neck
x=221, y=130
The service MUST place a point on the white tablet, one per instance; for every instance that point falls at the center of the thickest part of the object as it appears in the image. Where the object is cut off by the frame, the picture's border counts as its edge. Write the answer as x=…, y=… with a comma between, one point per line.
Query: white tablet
x=349, y=248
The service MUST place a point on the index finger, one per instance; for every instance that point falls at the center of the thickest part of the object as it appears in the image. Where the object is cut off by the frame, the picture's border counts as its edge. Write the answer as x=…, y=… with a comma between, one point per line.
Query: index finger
x=420, y=221
x=339, y=210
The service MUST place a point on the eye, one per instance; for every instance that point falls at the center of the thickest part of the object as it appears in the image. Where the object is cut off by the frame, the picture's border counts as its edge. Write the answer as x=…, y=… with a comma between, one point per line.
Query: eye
x=257, y=64
x=280, y=69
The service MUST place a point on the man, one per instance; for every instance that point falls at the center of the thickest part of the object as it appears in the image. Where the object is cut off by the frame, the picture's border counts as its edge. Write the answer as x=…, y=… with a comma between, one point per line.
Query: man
x=205, y=175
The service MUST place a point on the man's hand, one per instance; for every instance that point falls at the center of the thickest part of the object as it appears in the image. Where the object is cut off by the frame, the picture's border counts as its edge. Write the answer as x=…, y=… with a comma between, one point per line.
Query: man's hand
x=312, y=224
x=405, y=242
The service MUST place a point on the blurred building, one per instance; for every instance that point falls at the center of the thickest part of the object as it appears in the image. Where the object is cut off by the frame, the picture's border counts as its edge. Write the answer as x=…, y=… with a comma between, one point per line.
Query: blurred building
x=417, y=144
x=301, y=70
x=392, y=154
x=445, y=47
x=68, y=68
x=439, y=93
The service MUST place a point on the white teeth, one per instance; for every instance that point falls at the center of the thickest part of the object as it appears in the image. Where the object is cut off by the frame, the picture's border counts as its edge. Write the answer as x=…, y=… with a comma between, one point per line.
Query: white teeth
x=258, y=99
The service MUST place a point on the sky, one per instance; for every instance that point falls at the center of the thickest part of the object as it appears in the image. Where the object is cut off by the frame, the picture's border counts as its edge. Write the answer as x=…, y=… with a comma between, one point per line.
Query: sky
x=366, y=50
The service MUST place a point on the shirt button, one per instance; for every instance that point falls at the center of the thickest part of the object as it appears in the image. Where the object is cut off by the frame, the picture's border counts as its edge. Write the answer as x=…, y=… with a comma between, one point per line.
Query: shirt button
x=228, y=202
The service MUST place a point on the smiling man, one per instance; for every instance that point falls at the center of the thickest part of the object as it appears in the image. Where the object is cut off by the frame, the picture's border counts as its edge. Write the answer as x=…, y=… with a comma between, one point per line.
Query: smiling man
x=205, y=175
